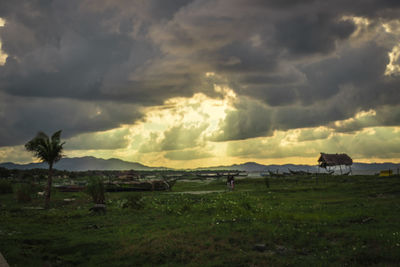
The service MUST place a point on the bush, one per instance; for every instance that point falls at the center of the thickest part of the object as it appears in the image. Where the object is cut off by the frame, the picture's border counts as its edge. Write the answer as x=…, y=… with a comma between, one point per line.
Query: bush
x=135, y=202
x=95, y=189
x=5, y=187
x=23, y=193
x=266, y=180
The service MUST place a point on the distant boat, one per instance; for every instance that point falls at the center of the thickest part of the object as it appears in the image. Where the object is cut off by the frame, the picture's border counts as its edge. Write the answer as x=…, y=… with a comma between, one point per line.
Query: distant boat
x=276, y=174
x=299, y=172
x=170, y=176
x=208, y=175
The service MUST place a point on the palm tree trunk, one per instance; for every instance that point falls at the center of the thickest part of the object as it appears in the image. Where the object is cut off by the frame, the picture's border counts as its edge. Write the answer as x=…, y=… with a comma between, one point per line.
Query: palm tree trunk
x=48, y=187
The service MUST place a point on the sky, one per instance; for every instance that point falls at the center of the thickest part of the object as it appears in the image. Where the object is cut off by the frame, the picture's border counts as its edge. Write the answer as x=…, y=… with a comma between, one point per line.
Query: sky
x=191, y=83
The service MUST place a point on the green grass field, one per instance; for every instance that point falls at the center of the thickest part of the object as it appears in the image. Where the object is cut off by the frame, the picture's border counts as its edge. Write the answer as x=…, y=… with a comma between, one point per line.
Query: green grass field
x=334, y=221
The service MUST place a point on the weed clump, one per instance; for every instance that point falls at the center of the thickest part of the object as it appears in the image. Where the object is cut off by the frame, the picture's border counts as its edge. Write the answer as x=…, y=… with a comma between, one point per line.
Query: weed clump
x=95, y=189
x=135, y=202
x=5, y=187
x=266, y=181
x=23, y=193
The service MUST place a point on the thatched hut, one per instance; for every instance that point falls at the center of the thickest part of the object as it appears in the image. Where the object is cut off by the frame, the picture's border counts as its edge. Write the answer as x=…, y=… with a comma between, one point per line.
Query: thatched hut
x=332, y=160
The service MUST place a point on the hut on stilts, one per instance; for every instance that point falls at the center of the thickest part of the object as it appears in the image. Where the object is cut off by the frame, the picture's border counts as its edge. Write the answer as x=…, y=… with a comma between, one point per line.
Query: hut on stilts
x=327, y=161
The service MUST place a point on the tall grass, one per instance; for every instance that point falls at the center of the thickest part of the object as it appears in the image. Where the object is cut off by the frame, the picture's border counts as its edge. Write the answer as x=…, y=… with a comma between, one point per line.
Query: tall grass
x=5, y=187
x=23, y=193
x=337, y=222
x=95, y=189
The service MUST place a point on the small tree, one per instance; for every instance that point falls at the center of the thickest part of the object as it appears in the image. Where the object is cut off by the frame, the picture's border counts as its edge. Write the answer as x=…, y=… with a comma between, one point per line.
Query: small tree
x=48, y=150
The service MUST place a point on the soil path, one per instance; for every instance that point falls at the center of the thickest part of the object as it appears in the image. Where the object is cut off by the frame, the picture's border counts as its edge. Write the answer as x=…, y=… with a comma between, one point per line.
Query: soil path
x=3, y=262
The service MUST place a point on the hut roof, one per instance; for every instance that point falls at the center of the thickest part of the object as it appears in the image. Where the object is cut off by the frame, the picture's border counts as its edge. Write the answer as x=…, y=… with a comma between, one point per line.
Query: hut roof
x=334, y=160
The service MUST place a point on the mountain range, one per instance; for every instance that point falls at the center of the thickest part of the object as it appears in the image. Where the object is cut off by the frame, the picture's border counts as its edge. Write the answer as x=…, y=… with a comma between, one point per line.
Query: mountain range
x=357, y=167
x=82, y=164
x=92, y=163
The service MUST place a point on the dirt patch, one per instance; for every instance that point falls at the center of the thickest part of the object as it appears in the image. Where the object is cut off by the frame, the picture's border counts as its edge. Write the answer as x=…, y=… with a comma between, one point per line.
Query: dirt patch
x=3, y=262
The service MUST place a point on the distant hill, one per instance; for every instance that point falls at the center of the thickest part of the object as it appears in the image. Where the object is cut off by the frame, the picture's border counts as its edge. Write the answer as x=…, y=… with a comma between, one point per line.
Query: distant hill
x=82, y=164
x=357, y=168
x=92, y=163
x=256, y=167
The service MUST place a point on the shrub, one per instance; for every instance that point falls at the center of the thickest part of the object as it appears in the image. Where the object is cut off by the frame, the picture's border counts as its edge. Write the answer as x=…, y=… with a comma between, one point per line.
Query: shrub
x=266, y=180
x=5, y=187
x=23, y=193
x=95, y=189
x=135, y=202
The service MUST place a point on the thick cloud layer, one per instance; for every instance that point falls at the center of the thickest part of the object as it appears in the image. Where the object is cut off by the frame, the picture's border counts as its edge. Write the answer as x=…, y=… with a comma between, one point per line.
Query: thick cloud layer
x=372, y=143
x=88, y=66
x=22, y=117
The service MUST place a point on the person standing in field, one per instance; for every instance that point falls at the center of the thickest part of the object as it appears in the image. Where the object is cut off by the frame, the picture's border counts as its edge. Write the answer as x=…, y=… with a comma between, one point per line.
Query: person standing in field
x=230, y=182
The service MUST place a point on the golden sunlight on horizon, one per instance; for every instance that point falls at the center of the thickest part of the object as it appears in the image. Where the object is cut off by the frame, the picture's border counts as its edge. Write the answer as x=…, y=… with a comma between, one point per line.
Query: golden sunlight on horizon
x=175, y=134
x=179, y=134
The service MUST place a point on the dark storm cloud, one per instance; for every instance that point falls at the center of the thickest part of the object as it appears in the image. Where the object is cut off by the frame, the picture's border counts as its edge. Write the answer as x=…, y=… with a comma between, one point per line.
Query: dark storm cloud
x=22, y=117
x=253, y=118
x=383, y=116
x=361, y=67
x=309, y=34
x=295, y=57
x=250, y=119
x=382, y=143
x=69, y=50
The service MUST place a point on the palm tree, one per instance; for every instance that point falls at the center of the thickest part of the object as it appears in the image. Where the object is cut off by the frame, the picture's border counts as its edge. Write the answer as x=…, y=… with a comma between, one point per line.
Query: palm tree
x=49, y=151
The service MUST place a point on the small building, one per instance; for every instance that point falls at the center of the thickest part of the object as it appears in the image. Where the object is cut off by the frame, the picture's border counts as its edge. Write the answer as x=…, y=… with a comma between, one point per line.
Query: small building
x=332, y=160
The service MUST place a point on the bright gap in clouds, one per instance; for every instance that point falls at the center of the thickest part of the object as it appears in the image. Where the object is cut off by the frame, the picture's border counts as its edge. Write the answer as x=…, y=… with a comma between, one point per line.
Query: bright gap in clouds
x=178, y=134
x=174, y=134
x=3, y=56
x=391, y=28
x=393, y=68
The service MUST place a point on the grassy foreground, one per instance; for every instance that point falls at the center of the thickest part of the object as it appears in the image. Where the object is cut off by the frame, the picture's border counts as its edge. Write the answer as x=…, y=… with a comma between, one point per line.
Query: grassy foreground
x=336, y=221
